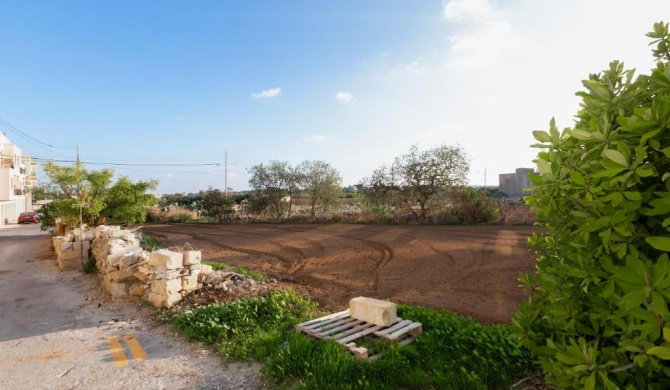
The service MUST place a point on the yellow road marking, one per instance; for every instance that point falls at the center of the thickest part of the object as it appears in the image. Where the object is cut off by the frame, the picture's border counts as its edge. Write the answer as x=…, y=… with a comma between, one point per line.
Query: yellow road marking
x=117, y=352
x=135, y=348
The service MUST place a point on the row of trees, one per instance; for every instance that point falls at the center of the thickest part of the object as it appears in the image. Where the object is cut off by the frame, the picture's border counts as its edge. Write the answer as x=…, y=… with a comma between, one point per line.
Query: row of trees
x=415, y=183
x=278, y=182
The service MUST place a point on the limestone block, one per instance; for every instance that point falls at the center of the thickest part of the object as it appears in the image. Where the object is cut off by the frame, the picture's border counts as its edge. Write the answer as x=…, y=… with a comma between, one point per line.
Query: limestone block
x=160, y=300
x=117, y=289
x=192, y=257
x=374, y=311
x=166, y=259
x=194, y=267
x=166, y=287
x=121, y=276
x=137, y=289
x=141, y=276
x=168, y=274
x=189, y=283
x=116, y=256
x=206, y=269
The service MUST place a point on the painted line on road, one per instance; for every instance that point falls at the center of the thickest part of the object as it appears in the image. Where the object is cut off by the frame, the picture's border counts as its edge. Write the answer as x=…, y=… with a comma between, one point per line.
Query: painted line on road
x=135, y=347
x=117, y=352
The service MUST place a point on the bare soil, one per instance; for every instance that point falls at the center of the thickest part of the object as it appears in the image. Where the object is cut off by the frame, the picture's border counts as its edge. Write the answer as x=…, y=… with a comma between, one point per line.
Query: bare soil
x=471, y=270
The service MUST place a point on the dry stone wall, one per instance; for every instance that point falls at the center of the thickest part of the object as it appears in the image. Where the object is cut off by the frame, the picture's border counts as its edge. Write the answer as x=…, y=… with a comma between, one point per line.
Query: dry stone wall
x=128, y=272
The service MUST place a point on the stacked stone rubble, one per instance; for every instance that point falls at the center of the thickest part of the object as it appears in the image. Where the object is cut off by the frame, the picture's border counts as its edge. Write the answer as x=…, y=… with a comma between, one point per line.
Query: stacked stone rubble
x=162, y=277
x=129, y=273
x=118, y=257
x=72, y=249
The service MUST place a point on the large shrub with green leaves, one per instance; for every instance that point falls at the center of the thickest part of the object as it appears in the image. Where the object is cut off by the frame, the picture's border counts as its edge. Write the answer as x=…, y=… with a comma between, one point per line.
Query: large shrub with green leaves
x=599, y=316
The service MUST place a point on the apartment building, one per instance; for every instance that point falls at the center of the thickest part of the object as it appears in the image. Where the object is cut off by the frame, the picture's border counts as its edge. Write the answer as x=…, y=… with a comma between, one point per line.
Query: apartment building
x=18, y=174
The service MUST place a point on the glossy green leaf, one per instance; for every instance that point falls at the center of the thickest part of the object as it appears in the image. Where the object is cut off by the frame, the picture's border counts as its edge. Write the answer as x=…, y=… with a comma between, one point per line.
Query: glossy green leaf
x=660, y=352
x=615, y=156
x=541, y=136
x=660, y=243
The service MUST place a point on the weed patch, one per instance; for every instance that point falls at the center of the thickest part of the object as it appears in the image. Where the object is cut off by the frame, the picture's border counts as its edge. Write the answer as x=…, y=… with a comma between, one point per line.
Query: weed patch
x=150, y=242
x=240, y=270
x=454, y=352
x=246, y=328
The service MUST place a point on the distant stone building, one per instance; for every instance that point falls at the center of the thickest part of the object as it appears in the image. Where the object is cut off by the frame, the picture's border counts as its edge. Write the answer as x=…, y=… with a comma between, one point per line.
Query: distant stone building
x=515, y=184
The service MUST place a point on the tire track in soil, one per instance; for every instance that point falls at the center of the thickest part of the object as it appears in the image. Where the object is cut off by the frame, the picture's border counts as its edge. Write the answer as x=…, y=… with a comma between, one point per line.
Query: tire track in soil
x=293, y=265
x=227, y=247
x=302, y=258
x=386, y=255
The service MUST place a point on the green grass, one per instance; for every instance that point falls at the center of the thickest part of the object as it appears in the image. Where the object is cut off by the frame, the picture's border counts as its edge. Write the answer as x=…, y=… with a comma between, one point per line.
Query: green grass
x=454, y=352
x=90, y=267
x=247, y=328
x=240, y=270
x=150, y=241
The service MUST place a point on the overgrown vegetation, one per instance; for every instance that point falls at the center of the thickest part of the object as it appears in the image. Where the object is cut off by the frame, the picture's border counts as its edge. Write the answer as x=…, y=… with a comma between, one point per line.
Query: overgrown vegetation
x=453, y=353
x=599, y=317
x=240, y=270
x=247, y=328
x=101, y=202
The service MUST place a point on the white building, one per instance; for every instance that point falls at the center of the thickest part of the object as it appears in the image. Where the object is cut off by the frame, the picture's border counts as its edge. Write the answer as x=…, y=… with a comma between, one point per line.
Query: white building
x=18, y=174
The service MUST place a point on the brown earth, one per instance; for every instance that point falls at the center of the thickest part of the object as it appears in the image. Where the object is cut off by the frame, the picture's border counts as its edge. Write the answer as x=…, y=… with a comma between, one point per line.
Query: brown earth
x=471, y=270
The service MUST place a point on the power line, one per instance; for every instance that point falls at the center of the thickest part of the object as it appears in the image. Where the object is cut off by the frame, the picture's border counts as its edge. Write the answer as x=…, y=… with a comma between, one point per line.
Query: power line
x=35, y=140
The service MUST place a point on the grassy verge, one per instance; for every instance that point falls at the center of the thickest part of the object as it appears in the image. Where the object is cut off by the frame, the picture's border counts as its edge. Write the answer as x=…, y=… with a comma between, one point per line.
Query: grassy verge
x=150, y=241
x=453, y=353
x=240, y=270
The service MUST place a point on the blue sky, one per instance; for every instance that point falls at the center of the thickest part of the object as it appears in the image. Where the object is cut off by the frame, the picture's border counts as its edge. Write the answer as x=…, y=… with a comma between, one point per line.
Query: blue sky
x=354, y=83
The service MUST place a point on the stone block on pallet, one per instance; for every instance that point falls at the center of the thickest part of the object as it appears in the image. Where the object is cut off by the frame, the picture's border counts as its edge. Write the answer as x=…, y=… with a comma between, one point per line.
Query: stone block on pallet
x=166, y=259
x=374, y=311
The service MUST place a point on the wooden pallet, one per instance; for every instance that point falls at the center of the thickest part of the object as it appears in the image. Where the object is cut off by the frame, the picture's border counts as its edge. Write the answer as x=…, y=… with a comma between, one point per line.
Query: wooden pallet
x=344, y=329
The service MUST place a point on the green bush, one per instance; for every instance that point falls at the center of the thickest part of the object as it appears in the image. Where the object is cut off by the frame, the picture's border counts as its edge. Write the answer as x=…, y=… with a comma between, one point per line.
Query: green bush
x=599, y=316
x=470, y=205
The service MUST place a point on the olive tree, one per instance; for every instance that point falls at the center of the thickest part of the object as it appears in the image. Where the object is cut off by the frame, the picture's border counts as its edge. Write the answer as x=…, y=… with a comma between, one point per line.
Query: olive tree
x=322, y=183
x=416, y=177
x=275, y=182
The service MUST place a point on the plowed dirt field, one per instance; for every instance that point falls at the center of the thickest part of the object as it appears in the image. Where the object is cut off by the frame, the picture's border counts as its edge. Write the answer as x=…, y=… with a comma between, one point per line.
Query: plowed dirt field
x=471, y=270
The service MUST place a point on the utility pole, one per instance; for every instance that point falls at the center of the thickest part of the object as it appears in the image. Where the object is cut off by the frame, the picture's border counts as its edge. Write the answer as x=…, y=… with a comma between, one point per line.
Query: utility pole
x=225, y=175
x=81, y=215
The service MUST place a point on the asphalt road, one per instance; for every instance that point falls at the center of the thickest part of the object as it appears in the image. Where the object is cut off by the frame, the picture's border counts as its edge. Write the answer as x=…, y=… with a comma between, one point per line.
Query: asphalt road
x=58, y=331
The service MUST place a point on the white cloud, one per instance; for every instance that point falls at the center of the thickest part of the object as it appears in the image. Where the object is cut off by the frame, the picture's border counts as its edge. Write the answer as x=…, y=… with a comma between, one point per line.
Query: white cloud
x=268, y=93
x=345, y=97
x=469, y=9
x=318, y=138
x=484, y=44
x=488, y=37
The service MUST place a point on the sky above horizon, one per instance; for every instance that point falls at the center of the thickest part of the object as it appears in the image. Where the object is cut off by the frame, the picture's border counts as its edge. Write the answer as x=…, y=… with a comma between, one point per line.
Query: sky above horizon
x=354, y=83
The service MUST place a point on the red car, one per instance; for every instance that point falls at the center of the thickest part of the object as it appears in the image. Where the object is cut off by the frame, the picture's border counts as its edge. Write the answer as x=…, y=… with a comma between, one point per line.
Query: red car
x=28, y=217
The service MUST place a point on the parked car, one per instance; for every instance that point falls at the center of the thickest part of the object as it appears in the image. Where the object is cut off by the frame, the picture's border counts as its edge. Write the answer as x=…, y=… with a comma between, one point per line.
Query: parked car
x=28, y=217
